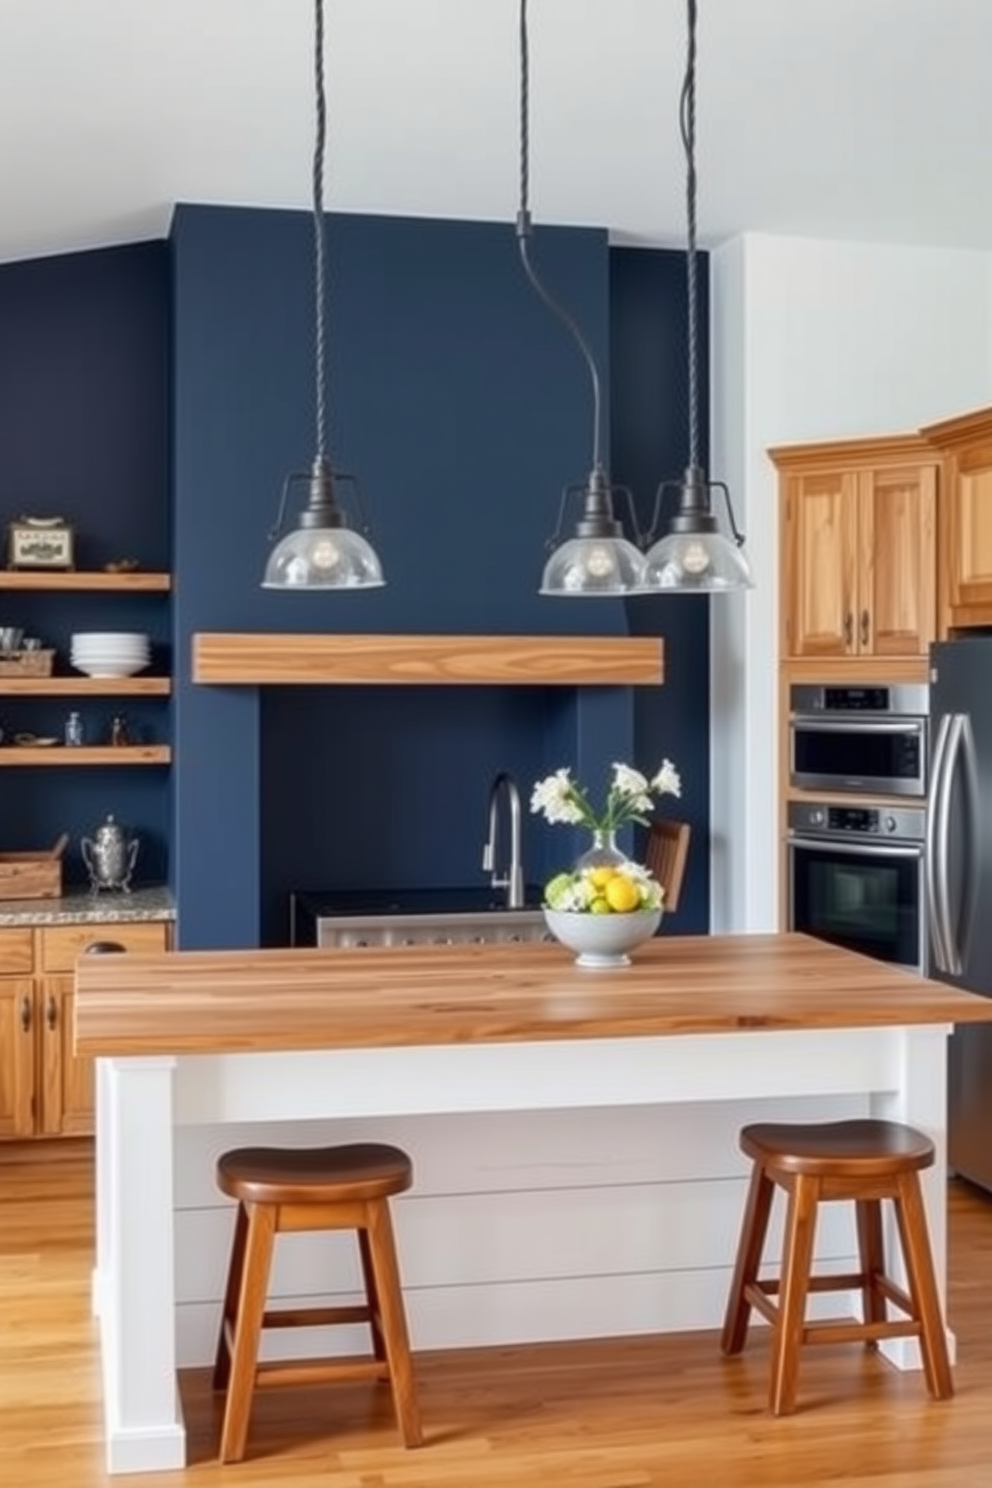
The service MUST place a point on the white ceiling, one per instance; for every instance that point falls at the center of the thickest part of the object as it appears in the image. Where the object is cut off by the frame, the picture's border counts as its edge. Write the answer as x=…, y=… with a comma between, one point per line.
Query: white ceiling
x=832, y=118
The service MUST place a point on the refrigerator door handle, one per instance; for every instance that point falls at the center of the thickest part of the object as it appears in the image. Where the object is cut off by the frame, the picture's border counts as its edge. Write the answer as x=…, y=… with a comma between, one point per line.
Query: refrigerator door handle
x=962, y=747
x=942, y=832
x=938, y=785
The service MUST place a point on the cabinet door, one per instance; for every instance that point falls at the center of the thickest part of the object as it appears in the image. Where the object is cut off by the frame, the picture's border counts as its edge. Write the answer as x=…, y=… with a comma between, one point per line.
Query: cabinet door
x=968, y=530
x=17, y=1062
x=68, y=1097
x=821, y=542
x=897, y=611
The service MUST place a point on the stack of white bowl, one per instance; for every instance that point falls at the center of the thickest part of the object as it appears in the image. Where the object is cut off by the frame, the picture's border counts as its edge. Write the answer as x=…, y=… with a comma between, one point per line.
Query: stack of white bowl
x=110, y=653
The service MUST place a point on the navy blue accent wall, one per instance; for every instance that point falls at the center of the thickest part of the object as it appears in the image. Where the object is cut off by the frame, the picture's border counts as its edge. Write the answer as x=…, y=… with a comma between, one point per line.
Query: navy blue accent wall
x=649, y=443
x=84, y=435
x=465, y=409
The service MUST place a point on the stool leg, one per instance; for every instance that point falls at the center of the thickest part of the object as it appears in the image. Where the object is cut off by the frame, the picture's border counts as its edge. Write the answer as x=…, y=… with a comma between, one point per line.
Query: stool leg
x=222, y=1362
x=871, y=1249
x=754, y=1228
x=382, y=1252
x=247, y=1328
x=912, y=1221
x=371, y=1296
x=797, y=1259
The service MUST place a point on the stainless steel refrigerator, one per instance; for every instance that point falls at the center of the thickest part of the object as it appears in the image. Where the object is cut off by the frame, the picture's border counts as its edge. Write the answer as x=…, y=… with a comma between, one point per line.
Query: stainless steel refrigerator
x=959, y=881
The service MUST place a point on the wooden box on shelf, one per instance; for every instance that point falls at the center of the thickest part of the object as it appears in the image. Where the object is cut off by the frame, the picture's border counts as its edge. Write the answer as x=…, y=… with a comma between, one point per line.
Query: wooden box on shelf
x=26, y=663
x=32, y=875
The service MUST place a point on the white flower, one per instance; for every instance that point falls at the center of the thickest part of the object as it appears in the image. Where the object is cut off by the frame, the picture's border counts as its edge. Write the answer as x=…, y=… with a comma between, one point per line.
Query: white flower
x=553, y=797
x=629, y=798
x=667, y=782
x=632, y=784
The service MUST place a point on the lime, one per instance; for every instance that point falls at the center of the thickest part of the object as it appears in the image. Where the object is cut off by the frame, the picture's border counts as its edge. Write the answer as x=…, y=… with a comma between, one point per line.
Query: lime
x=599, y=905
x=557, y=886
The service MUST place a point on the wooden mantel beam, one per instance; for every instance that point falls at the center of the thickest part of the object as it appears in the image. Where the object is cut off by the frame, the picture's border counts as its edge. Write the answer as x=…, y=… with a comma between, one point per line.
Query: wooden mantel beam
x=246, y=659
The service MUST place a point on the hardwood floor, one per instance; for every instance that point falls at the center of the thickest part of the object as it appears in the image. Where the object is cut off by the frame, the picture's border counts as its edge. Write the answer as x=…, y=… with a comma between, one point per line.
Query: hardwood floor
x=630, y=1413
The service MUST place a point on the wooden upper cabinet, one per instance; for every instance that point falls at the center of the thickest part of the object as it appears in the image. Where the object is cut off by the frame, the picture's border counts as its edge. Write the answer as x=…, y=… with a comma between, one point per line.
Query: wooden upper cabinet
x=898, y=591
x=820, y=589
x=965, y=589
x=858, y=548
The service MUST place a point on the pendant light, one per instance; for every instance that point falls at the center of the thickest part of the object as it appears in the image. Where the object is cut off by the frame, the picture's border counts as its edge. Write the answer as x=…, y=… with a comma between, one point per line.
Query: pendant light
x=598, y=559
x=323, y=552
x=695, y=556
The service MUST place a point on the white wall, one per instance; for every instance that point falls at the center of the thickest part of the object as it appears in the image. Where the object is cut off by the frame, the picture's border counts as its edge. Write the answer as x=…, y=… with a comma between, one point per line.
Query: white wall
x=811, y=340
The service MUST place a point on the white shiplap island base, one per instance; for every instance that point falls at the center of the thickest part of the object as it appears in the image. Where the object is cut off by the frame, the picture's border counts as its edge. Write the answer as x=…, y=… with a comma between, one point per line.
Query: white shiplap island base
x=574, y=1134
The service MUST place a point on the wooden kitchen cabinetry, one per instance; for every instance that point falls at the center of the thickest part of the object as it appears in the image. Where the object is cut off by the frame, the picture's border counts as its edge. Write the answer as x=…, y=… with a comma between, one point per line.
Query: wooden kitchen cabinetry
x=858, y=548
x=965, y=576
x=45, y=1090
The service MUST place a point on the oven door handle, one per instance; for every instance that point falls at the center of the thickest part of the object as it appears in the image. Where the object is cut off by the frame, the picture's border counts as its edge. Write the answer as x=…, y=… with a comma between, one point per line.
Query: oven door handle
x=855, y=849
x=836, y=725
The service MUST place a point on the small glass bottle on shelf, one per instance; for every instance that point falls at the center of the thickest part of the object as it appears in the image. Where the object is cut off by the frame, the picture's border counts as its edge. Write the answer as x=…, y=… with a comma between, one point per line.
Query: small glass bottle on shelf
x=120, y=734
x=74, y=730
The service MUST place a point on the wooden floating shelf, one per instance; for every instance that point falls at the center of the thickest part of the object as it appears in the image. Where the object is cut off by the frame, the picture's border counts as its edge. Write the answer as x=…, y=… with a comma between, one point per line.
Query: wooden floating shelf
x=245, y=659
x=86, y=686
x=135, y=583
x=16, y=755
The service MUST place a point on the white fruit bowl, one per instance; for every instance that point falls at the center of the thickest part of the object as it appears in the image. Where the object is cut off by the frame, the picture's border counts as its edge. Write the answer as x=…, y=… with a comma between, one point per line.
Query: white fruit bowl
x=602, y=940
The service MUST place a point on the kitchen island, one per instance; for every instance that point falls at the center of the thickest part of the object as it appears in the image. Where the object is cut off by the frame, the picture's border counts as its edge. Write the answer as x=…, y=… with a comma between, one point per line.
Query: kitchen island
x=581, y=1123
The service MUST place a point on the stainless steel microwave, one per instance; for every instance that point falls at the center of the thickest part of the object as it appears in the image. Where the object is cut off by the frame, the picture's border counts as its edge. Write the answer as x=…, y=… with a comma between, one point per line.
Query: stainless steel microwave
x=859, y=740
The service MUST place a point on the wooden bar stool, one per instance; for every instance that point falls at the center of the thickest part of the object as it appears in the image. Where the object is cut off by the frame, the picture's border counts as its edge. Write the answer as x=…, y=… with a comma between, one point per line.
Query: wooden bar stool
x=320, y=1188
x=864, y=1161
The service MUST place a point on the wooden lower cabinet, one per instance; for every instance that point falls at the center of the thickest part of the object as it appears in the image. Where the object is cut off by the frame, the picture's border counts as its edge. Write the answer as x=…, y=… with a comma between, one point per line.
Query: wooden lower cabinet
x=45, y=1089
x=17, y=1056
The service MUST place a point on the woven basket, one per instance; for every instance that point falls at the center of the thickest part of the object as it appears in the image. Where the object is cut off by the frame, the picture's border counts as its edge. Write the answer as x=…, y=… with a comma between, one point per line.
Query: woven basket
x=26, y=663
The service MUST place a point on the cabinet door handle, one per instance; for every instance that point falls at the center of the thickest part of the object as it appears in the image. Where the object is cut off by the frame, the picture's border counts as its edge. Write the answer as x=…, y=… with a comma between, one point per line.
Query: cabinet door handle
x=51, y=1013
x=848, y=628
x=26, y=1014
x=865, y=627
x=102, y=947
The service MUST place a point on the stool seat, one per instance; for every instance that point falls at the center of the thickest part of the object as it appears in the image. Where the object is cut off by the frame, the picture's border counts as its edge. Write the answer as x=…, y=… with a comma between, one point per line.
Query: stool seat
x=282, y=1189
x=828, y=1149
x=281, y=1175
x=865, y=1161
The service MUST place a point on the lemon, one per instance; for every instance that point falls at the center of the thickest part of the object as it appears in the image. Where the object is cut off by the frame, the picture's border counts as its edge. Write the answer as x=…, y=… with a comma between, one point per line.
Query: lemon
x=622, y=894
x=600, y=877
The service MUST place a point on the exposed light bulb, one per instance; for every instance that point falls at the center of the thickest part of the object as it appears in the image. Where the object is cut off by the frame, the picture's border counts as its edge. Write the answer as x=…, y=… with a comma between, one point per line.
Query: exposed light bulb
x=600, y=563
x=695, y=559
x=325, y=554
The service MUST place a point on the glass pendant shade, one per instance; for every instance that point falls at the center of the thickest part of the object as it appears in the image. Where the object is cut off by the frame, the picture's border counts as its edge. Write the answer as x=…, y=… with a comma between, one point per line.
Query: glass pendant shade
x=694, y=556
x=322, y=552
x=323, y=558
x=696, y=561
x=588, y=566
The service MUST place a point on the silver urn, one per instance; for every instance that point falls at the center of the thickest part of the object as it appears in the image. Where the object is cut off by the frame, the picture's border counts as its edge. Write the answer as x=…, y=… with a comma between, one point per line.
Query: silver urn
x=110, y=855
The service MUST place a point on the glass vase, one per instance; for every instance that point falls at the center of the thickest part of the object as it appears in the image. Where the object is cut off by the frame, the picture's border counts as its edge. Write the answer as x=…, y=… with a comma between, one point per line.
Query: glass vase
x=603, y=853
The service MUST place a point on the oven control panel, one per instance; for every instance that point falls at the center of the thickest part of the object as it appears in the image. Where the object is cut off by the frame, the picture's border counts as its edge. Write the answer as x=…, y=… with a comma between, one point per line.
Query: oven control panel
x=904, y=823
x=905, y=699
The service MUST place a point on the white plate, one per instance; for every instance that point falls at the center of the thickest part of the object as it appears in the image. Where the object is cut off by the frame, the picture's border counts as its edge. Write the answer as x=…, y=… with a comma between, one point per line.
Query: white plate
x=110, y=668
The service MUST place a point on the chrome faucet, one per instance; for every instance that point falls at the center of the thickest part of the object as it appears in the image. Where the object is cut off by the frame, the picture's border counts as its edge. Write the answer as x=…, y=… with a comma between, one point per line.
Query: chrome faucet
x=513, y=879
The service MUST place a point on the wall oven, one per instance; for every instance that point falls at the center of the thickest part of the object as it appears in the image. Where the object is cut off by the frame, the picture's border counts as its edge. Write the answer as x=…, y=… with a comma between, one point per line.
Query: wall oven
x=856, y=877
x=859, y=740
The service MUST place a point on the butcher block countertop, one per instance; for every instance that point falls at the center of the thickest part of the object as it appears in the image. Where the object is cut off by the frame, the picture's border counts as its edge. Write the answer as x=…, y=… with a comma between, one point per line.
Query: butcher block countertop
x=217, y=1002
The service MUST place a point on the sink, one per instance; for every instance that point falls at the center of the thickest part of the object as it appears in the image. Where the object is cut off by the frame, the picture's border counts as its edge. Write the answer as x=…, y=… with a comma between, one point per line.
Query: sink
x=440, y=916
